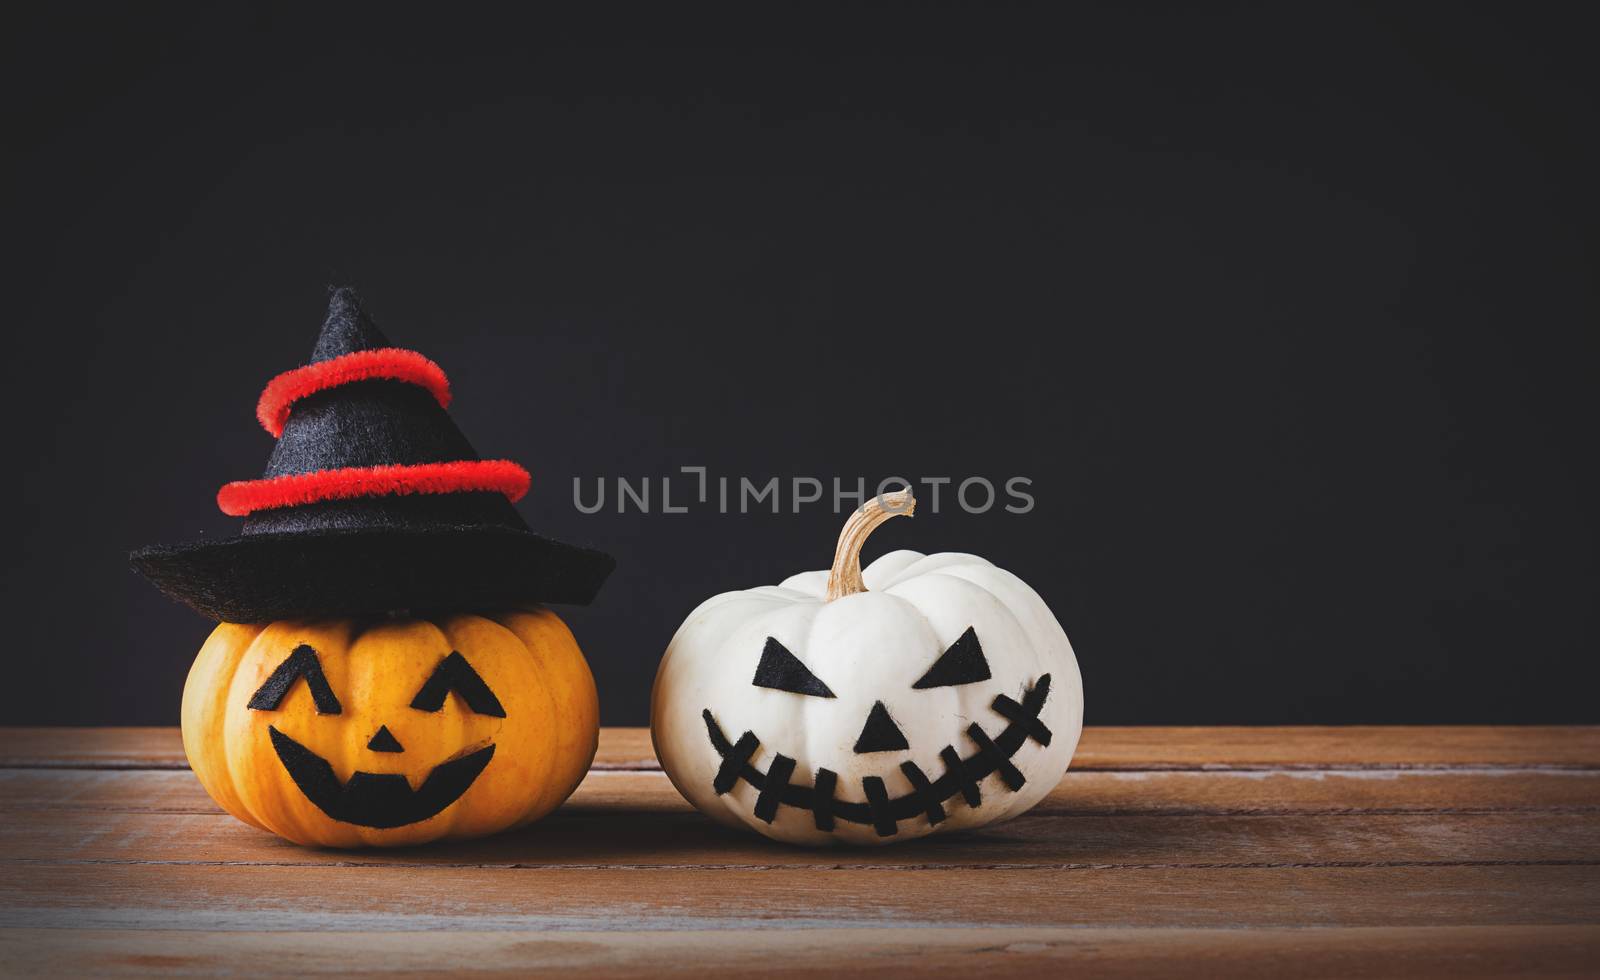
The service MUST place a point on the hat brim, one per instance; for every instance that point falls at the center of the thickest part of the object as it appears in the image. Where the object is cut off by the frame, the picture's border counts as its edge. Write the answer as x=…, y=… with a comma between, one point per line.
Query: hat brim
x=372, y=571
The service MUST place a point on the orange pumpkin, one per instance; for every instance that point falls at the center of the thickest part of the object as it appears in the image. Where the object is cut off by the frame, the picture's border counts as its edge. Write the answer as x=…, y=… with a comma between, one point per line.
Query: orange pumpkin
x=388, y=732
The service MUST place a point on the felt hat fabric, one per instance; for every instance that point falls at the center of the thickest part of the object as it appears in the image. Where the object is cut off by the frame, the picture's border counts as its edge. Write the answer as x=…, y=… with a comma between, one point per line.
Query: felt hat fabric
x=372, y=502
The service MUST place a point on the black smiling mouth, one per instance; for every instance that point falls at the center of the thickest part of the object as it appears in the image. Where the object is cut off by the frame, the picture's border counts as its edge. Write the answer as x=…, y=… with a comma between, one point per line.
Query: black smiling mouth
x=373, y=799
x=927, y=797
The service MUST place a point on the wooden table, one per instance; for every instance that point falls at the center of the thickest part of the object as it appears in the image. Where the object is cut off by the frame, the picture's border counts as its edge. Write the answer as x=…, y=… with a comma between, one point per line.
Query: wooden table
x=1457, y=852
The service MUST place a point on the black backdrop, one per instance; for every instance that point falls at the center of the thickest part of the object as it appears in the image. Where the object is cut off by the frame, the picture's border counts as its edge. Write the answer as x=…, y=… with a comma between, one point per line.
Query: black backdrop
x=1288, y=313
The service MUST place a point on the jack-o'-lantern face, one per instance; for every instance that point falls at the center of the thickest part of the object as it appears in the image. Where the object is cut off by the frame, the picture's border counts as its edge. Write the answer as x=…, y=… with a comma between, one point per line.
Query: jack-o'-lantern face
x=391, y=731
x=980, y=746
x=379, y=799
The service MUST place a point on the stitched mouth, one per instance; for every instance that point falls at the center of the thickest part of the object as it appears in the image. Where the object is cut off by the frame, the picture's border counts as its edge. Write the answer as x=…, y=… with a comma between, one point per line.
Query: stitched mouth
x=377, y=799
x=927, y=797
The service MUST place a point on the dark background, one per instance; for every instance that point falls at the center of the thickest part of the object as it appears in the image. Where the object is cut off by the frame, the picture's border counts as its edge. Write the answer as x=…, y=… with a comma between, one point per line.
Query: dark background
x=1288, y=312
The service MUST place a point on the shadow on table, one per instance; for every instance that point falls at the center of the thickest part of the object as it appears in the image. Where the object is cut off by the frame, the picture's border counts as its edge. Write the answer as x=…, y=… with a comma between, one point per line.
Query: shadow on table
x=614, y=836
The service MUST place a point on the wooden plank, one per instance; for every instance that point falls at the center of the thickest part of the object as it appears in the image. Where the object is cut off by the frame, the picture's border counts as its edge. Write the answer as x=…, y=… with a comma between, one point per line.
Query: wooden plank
x=621, y=838
x=315, y=899
x=626, y=749
x=91, y=748
x=1250, y=852
x=1341, y=747
x=1263, y=954
x=1324, y=791
x=1178, y=791
x=1102, y=749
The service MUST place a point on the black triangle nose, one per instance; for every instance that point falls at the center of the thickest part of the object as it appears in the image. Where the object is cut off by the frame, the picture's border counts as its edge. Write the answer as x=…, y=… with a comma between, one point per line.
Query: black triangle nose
x=385, y=741
x=880, y=733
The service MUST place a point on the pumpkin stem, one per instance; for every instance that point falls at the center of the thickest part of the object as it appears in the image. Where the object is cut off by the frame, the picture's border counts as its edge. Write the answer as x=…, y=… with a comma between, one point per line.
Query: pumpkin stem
x=844, y=578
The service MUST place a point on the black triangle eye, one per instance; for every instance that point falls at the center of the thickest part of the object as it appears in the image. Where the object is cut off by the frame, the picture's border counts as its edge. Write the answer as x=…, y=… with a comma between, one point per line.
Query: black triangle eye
x=782, y=671
x=303, y=662
x=455, y=674
x=963, y=663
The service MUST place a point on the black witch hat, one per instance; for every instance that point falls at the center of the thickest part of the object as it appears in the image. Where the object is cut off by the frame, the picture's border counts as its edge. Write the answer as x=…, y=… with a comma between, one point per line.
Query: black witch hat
x=373, y=502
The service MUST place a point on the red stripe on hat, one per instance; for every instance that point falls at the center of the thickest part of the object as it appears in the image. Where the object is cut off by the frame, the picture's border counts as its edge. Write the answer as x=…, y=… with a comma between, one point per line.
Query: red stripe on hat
x=387, y=363
x=245, y=497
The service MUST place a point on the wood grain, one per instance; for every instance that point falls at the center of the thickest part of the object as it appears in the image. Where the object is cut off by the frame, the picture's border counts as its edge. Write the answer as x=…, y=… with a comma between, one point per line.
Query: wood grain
x=644, y=839
x=1261, y=954
x=1347, y=747
x=1091, y=819
x=1102, y=749
x=362, y=897
x=1221, y=792
x=91, y=748
x=1104, y=793
x=1239, y=852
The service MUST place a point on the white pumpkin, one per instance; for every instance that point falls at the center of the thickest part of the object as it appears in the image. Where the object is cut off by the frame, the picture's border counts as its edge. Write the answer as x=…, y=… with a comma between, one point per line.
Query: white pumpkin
x=927, y=693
